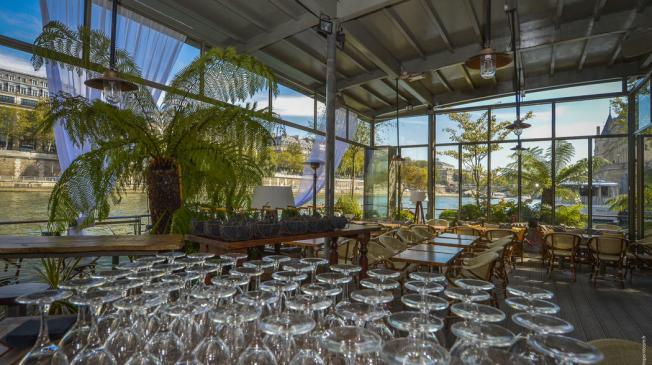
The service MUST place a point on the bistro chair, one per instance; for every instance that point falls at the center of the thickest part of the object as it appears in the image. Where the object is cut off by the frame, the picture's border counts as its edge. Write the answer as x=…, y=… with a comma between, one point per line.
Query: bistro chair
x=495, y=234
x=347, y=250
x=438, y=222
x=617, y=351
x=607, y=226
x=423, y=230
x=469, y=231
x=561, y=247
x=392, y=243
x=479, y=267
x=639, y=256
x=608, y=251
x=409, y=237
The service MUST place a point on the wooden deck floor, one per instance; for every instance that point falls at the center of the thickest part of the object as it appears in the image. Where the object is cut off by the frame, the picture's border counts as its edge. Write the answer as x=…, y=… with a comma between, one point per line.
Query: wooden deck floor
x=606, y=311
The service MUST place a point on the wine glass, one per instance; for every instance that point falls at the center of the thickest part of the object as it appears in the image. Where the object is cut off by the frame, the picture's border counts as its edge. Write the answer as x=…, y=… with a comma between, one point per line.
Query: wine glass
x=249, y=273
x=295, y=276
x=280, y=287
x=134, y=266
x=336, y=278
x=127, y=339
x=473, y=341
x=566, y=350
x=151, y=259
x=261, y=265
x=348, y=270
x=276, y=260
x=165, y=345
x=232, y=318
x=314, y=263
x=171, y=256
x=94, y=352
x=122, y=286
x=311, y=306
x=416, y=324
x=232, y=281
x=375, y=298
x=236, y=257
x=282, y=328
x=75, y=339
x=44, y=351
x=536, y=324
x=409, y=351
x=324, y=290
x=351, y=341
x=428, y=277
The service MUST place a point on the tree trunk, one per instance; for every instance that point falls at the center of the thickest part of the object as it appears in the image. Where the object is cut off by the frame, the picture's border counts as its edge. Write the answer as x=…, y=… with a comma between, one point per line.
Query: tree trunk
x=352, y=174
x=164, y=194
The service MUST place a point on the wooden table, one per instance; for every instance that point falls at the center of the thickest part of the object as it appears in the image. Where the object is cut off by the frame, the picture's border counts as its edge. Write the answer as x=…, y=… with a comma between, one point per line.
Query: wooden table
x=8, y=355
x=520, y=231
x=360, y=232
x=455, y=242
x=458, y=236
x=437, y=248
x=84, y=246
x=427, y=258
x=311, y=245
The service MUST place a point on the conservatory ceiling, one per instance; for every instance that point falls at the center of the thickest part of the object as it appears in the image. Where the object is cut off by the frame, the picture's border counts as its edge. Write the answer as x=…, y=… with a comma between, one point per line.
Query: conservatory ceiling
x=560, y=42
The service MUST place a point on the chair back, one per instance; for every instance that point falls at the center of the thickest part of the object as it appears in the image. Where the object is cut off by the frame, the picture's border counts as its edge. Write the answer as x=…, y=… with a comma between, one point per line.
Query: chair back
x=438, y=222
x=562, y=241
x=407, y=236
x=491, y=225
x=422, y=232
x=501, y=242
x=466, y=230
x=607, y=226
x=495, y=234
x=392, y=243
x=347, y=250
x=608, y=245
x=376, y=252
x=481, y=266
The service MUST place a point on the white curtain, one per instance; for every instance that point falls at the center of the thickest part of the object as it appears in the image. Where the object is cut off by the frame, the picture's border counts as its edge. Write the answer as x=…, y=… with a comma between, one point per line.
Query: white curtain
x=318, y=153
x=154, y=48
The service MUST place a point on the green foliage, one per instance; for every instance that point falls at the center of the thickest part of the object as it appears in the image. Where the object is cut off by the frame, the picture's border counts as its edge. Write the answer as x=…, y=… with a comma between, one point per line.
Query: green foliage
x=349, y=205
x=471, y=212
x=449, y=215
x=571, y=216
x=503, y=211
x=218, y=150
x=403, y=216
x=54, y=271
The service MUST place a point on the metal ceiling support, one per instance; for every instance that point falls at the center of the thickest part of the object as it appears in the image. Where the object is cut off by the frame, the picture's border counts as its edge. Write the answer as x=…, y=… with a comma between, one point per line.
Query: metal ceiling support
x=242, y=14
x=467, y=76
x=331, y=90
x=535, y=82
x=475, y=23
x=402, y=28
x=375, y=94
x=557, y=21
x=280, y=5
x=553, y=58
x=647, y=62
x=280, y=32
x=360, y=79
x=360, y=38
x=436, y=21
x=442, y=80
x=599, y=4
x=558, y=13
x=390, y=85
x=627, y=26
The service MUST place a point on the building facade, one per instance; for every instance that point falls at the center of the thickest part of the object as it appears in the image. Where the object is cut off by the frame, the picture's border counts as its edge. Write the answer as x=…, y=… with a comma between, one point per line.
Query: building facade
x=22, y=90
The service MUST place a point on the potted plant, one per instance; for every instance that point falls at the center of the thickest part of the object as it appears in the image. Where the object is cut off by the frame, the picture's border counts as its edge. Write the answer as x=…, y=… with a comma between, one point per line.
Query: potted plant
x=292, y=223
x=180, y=151
x=237, y=228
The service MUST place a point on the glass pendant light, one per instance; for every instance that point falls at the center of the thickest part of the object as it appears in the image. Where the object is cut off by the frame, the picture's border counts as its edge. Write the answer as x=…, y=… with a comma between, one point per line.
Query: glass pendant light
x=488, y=65
x=397, y=157
x=112, y=85
x=488, y=60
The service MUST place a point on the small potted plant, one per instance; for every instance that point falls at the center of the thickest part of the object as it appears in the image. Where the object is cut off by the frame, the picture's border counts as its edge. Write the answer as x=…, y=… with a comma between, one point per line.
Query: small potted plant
x=237, y=228
x=266, y=225
x=292, y=223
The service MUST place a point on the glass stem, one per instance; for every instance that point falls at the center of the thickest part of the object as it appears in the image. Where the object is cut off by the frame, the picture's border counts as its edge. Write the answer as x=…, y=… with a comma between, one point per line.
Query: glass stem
x=93, y=335
x=43, y=333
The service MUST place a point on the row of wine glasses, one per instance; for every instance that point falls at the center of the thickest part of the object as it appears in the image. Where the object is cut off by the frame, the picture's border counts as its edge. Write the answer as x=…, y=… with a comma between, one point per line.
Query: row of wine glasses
x=201, y=309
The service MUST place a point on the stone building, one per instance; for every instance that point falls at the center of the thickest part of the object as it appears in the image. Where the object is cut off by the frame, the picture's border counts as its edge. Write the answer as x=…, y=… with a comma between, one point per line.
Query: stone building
x=22, y=90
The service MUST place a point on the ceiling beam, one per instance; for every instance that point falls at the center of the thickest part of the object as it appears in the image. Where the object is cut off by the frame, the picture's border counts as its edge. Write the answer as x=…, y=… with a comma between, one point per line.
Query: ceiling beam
x=402, y=28
x=278, y=33
x=640, y=7
x=346, y=10
x=475, y=23
x=242, y=14
x=467, y=76
x=559, y=11
x=534, y=35
x=599, y=4
x=375, y=94
x=436, y=21
x=553, y=58
x=358, y=37
x=392, y=86
x=442, y=80
x=647, y=62
x=539, y=81
x=280, y=5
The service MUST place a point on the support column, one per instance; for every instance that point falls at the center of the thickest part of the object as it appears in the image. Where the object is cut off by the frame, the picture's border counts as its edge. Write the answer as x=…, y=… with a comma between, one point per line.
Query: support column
x=330, y=120
x=430, y=214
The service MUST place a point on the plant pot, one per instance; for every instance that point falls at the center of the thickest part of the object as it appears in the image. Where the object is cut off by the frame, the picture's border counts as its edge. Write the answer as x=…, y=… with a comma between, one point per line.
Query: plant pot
x=316, y=225
x=339, y=222
x=266, y=230
x=212, y=229
x=294, y=226
x=236, y=232
x=164, y=194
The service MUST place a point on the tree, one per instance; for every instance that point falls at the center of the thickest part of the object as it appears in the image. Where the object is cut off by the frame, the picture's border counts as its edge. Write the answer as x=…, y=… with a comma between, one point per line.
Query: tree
x=352, y=163
x=8, y=120
x=474, y=153
x=182, y=152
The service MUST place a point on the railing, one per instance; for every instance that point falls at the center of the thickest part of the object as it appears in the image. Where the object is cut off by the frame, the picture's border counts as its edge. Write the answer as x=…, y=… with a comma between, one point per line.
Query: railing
x=29, y=178
x=136, y=221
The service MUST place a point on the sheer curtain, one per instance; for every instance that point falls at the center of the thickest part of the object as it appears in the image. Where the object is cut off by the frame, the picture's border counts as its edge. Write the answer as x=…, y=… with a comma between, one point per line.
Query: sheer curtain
x=154, y=48
x=318, y=153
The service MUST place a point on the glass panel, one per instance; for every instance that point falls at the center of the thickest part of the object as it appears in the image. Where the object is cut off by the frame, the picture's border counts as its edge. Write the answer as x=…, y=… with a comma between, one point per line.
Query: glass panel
x=385, y=133
x=321, y=116
x=349, y=177
x=290, y=152
x=536, y=182
x=589, y=117
x=504, y=178
x=643, y=106
x=474, y=181
x=414, y=174
x=21, y=19
x=446, y=181
x=413, y=130
x=376, y=183
x=610, y=181
x=538, y=116
x=461, y=127
x=571, y=188
x=294, y=107
x=362, y=133
x=647, y=187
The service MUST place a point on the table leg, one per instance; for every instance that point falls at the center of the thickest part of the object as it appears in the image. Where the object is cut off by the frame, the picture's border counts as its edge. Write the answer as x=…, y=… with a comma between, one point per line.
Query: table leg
x=333, y=254
x=363, y=239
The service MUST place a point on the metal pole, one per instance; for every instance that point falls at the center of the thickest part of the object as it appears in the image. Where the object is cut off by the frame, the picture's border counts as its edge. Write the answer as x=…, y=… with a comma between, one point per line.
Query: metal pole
x=553, y=164
x=431, y=162
x=114, y=20
x=589, y=191
x=631, y=171
x=330, y=120
x=314, y=190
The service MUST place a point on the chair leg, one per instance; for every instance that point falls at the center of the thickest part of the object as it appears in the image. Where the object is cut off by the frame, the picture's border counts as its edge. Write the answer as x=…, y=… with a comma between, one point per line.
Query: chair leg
x=574, y=270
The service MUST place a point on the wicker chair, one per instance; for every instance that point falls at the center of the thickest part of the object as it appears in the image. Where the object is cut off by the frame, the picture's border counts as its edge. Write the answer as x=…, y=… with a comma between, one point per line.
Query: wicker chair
x=495, y=234
x=561, y=246
x=392, y=243
x=438, y=222
x=347, y=250
x=470, y=231
x=423, y=231
x=608, y=250
x=478, y=267
x=607, y=226
x=409, y=237
x=639, y=255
